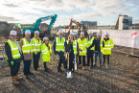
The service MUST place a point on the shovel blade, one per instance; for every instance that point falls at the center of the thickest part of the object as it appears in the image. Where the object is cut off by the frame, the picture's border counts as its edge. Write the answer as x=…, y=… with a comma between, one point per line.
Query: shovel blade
x=69, y=75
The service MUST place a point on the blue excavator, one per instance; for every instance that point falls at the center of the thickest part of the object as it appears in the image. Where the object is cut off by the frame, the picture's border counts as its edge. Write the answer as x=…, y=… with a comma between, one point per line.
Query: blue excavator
x=42, y=27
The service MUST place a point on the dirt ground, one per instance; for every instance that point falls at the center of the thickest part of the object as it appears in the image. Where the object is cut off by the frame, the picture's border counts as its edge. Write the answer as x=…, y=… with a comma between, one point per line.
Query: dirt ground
x=122, y=76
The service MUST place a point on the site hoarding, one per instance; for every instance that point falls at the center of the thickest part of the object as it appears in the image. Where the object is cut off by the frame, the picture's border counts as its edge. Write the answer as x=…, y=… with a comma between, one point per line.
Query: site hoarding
x=127, y=38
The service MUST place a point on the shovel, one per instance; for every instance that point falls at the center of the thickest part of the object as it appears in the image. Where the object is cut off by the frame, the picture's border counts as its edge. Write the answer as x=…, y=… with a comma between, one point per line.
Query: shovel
x=69, y=74
x=75, y=63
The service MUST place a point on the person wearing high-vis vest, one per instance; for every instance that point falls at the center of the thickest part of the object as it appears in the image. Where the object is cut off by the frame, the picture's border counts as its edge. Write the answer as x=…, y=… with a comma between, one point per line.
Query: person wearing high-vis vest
x=59, y=48
x=26, y=46
x=107, y=49
x=97, y=44
x=82, y=44
x=90, y=52
x=36, y=47
x=46, y=51
x=75, y=49
x=13, y=55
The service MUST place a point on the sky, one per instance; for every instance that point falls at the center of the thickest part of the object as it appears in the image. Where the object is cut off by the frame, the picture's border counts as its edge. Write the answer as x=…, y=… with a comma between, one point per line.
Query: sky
x=105, y=12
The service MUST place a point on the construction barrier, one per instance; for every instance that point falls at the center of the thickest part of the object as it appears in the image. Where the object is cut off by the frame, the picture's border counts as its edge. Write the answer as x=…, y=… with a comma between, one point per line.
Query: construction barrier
x=126, y=38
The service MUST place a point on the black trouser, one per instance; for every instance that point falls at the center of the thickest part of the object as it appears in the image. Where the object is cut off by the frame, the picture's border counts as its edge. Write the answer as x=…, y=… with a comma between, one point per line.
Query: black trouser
x=36, y=58
x=14, y=66
x=71, y=62
x=90, y=55
x=45, y=66
x=82, y=60
x=106, y=57
x=27, y=64
x=61, y=60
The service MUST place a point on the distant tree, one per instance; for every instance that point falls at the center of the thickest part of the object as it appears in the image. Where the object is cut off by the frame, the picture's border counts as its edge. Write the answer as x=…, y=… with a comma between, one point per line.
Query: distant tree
x=5, y=28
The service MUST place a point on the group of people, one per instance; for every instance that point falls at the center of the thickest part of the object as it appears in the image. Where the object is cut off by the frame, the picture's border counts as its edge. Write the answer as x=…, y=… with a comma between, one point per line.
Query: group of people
x=80, y=49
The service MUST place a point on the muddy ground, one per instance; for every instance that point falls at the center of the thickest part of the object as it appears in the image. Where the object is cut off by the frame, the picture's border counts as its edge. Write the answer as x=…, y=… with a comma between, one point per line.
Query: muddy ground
x=122, y=76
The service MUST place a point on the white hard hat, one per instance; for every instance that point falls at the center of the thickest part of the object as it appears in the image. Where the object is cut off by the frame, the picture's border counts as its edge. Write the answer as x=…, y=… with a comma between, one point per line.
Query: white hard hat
x=13, y=32
x=82, y=33
x=27, y=32
x=37, y=32
x=45, y=38
x=72, y=33
x=107, y=33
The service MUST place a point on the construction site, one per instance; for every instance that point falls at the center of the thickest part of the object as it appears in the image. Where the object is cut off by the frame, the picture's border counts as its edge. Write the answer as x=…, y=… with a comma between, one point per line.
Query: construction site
x=121, y=76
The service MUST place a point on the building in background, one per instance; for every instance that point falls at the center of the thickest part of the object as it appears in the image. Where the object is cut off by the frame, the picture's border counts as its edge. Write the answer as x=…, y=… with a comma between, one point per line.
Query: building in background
x=124, y=22
x=89, y=24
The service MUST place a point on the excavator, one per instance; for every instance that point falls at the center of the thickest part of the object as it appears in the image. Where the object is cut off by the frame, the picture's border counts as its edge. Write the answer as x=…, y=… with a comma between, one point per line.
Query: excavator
x=80, y=27
x=42, y=27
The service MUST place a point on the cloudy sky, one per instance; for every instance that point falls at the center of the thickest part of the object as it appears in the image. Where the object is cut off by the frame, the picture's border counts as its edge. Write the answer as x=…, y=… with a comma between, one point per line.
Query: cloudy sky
x=103, y=11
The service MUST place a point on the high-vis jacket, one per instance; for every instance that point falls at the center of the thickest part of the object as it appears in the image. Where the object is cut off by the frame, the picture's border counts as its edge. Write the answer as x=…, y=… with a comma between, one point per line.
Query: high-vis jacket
x=60, y=44
x=46, y=52
x=89, y=42
x=107, y=48
x=26, y=47
x=36, y=45
x=14, y=49
x=75, y=47
x=82, y=43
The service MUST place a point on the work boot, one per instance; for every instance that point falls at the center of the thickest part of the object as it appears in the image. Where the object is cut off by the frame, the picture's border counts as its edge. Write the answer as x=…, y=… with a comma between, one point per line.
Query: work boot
x=30, y=73
x=91, y=67
x=15, y=81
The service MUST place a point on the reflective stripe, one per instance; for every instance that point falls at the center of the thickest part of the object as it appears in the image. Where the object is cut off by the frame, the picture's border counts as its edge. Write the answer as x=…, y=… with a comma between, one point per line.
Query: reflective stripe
x=45, y=53
x=27, y=46
x=108, y=45
x=60, y=44
x=107, y=48
x=82, y=46
x=14, y=49
x=36, y=45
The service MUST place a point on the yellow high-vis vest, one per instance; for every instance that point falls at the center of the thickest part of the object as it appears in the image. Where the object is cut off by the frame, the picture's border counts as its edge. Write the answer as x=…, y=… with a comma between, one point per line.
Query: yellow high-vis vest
x=89, y=43
x=46, y=53
x=107, y=49
x=60, y=44
x=26, y=47
x=82, y=47
x=14, y=49
x=36, y=45
x=75, y=47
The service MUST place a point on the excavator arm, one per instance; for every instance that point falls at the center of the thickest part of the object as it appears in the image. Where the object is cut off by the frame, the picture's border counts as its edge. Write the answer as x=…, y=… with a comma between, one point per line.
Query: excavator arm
x=42, y=19
x=79, y=25
x=38, y=22
x=76, y=23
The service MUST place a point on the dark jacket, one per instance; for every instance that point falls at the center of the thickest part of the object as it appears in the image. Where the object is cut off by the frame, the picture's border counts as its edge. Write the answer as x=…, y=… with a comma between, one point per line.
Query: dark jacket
x=96, y=43
x=8, y=51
